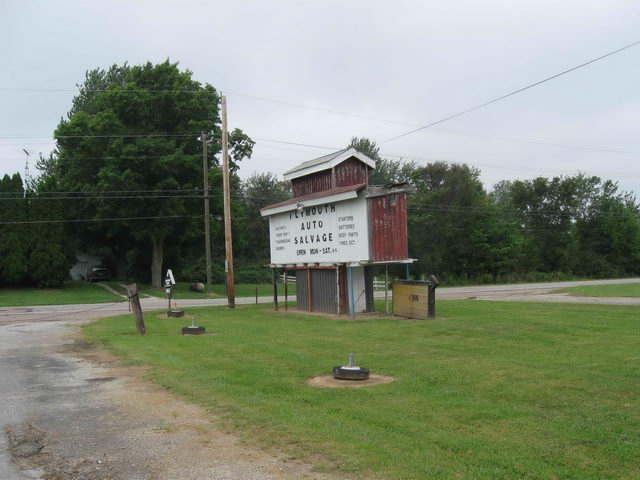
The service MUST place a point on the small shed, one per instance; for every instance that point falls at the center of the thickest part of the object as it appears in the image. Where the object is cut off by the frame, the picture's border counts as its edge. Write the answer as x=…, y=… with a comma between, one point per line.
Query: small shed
x=335, y=229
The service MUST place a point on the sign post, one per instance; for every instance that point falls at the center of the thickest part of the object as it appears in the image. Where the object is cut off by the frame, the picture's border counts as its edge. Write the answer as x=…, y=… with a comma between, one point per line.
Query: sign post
x=169, y=283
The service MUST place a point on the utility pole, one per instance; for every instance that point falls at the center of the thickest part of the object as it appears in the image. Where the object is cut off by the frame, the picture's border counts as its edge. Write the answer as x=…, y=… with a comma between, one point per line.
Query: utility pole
x=26, y=173
x=228, y=246
x=207, y=230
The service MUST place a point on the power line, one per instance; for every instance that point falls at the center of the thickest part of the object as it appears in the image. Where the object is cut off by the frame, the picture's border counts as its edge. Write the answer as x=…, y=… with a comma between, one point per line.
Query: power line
x=99, y=90
x=99, y=192
x=515, y=92
x=111, y=135
x=85, y=220
x=535, y=142
x=297, y=144
x=94, y=197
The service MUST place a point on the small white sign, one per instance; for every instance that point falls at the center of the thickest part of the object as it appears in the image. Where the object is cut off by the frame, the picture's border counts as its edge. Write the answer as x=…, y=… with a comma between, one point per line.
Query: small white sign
x=332, y=232
x=170, y=277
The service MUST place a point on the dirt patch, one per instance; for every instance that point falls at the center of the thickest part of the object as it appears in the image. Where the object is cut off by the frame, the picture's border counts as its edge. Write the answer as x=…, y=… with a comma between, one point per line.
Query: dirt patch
x=327, y=381
x=28, y=447
x=25, y=441
x=168, y=427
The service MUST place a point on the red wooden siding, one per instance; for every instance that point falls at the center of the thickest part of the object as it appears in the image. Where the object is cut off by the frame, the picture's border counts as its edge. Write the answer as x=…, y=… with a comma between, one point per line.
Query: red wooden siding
x=351, y=172
x=316, y=182
x=388, y=227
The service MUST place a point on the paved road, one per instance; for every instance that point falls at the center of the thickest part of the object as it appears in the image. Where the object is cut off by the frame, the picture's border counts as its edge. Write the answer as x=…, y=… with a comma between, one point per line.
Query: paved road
x=538, y=292
x=517, y=292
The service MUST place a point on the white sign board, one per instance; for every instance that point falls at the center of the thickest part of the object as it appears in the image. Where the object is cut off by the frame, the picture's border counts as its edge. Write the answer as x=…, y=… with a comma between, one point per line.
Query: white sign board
x=170, y=277
x=325, y=233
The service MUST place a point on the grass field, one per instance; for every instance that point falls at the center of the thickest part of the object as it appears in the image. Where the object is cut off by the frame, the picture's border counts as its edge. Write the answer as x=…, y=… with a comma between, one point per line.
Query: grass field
x=182, y=291
x=488, y=390
x=72, y=291
x=622, y=290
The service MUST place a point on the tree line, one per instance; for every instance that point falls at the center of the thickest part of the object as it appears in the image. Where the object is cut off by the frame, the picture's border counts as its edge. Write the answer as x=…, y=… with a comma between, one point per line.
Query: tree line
x=125, y=183
x=522, y=230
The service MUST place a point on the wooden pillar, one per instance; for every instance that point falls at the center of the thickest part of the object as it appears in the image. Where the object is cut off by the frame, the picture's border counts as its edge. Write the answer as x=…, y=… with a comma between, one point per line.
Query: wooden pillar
x=352, y=300
x=132, y=291
x=431, y=299
x=338, y=288
x=275, y=288
x=286, y=291
x=386, y=289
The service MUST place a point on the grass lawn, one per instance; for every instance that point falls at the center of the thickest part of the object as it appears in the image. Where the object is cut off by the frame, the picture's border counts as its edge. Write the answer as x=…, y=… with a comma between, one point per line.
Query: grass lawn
x=621, y=290
x=488, y=390
x=72, y=291
x=181, y=290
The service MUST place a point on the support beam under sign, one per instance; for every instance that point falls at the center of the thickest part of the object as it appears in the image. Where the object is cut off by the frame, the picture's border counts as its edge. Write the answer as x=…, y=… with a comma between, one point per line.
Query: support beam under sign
x=275, y=288
x=286, y=291
x=352, y=299
x=386, y=289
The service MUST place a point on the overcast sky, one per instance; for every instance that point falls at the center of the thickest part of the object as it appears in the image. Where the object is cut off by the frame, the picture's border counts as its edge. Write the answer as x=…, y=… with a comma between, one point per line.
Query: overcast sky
x=409, y=62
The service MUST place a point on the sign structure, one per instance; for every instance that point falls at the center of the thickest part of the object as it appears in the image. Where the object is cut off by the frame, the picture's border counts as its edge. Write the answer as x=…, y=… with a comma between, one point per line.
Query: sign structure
x=323, y=233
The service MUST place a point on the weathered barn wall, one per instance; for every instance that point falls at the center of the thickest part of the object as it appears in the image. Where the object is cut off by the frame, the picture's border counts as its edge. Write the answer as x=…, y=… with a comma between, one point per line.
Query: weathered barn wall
x=316, y=182
x=351, y=172
x=388, y=227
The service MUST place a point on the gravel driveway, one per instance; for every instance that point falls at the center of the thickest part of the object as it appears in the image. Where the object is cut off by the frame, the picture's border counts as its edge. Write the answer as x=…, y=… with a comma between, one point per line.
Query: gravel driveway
x=71, y=412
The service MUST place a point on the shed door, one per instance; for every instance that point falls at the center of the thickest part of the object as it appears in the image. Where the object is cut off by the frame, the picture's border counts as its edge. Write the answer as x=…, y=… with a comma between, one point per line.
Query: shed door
x=324, y=291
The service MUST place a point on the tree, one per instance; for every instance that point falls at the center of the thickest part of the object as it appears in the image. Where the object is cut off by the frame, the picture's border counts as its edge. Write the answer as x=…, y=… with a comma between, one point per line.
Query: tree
x=259, y=190
x=14, y=238
x=608, y=235
x=134, y=132
x=51, y=248
x=386, y=171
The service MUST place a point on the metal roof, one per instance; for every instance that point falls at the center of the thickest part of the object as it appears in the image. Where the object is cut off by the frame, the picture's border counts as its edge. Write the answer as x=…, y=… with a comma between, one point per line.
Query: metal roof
x=326, y=162
x=315, y=198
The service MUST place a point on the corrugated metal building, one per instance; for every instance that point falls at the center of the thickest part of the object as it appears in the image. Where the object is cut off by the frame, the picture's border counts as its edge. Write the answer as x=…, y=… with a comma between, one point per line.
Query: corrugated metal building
x=335, y=229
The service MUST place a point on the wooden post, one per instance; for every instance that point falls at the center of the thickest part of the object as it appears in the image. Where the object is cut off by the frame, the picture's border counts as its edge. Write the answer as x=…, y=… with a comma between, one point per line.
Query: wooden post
x=338, y=287
x=386, y=289
x=207, y=230
x=256, y=295
x=275, y=289
x=431, y=302
x=228, y=244
x=431, y=299
x=132, y=291
x=352, y=300
x=286, y=291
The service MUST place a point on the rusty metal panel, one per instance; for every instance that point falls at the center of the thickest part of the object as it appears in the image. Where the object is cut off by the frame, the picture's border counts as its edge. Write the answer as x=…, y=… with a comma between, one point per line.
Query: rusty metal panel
x=388, y=227
x=302, y=290
x=323, y=291
x=410, y=299
x=351, y=172
x=316, y=182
